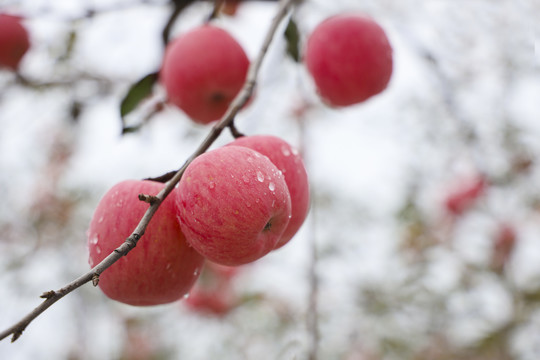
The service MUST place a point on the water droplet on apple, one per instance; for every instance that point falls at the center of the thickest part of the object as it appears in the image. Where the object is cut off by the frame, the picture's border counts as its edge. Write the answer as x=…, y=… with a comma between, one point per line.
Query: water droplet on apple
x=168, y=266
x=211, y=184
x=91, y=262
x=245, y=178
x=100, y=220
x=294, y=151
x=285, y=151
x=98, y=249
x=272, y=186
x=260, y=176
x=119, y=203
x=196, y=272
x=94, y=240
x=186, y=296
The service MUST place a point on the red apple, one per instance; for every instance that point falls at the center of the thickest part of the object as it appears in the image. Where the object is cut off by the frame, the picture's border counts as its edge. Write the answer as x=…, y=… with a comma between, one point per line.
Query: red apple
x=14, y=41
x=289, y=162
x=203, y=71
x=162, y=267
x=233, y=205
x=213, y=301
x=213, y=293
x=349, y=58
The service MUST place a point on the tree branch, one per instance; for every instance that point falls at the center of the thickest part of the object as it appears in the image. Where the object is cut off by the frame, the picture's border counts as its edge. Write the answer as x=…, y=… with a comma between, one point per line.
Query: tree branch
x=93, y=275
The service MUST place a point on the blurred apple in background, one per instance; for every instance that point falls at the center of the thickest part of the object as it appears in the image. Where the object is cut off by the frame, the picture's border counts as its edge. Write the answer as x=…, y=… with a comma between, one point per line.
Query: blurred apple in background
x=14, y=41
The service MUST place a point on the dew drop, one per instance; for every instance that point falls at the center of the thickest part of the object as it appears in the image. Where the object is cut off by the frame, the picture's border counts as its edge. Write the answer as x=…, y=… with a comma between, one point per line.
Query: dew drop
x=91, y=262
x=294, y=151
x=100, y=220
x=119, y=203
x=272, y=186
x=245, y=178
x=285, y=150
x=186, y=296
x=211, y=184
x=260, y=176
x=196, y=272
x=98, y=249
x=168, y=267
x=94, y=240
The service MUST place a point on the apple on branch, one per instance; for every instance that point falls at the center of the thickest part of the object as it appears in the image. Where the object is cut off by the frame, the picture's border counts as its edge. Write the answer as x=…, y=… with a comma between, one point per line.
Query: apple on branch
x=233, y=205
x=203, y=70
x=162, y=268
x=288, y=160
x=349, y=58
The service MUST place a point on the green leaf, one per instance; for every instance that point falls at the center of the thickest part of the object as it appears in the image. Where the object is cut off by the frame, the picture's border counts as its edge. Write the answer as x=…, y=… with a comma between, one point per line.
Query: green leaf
x=293, y=37
x=138, y=92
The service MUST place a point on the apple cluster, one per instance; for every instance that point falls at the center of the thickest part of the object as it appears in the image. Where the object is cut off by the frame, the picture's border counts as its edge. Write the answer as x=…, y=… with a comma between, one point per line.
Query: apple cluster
x=348, y=56
x=232, y=206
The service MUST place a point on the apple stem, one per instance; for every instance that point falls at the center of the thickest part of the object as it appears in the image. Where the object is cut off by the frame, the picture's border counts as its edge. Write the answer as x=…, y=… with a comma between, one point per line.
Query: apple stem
x=17, y=329
x=234, y=131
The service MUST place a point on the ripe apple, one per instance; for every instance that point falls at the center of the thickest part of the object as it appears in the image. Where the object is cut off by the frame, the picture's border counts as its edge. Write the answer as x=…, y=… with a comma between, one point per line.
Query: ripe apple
x=162, y=267
x=202, y=71
x=213, y=293
x=14, y=41
x=349, y=58
x=289, y=162
x=233, y=205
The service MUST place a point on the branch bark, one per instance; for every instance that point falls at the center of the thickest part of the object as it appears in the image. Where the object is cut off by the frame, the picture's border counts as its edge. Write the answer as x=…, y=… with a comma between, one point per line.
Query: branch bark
x=93, y=275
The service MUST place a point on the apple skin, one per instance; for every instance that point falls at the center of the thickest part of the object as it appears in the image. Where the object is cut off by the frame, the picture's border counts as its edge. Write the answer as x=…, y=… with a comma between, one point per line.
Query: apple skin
x=288, y=160
x=214, y=293
x=349, y=58
x=233, y=205
x=162, y=268
x=203, y=70
x=14, y=41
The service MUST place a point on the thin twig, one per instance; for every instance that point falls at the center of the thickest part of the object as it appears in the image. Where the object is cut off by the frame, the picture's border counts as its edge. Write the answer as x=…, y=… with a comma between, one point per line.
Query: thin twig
x=312, y=315
x=93, y=275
